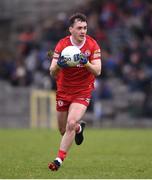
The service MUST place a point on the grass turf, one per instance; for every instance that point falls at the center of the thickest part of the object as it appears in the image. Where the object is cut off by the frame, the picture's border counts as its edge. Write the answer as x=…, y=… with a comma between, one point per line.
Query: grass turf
x=106, y=153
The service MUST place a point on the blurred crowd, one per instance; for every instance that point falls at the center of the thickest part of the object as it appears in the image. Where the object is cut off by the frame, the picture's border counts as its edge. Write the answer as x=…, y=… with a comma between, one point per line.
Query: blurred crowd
x=123, y=29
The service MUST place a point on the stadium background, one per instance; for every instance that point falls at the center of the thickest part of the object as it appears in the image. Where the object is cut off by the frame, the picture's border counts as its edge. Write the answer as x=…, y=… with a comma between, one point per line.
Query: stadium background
x=28, y=29
x=118, y=137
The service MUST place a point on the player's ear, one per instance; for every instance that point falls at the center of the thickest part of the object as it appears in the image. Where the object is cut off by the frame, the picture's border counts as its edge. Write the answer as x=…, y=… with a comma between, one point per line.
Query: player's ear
x=70, y=29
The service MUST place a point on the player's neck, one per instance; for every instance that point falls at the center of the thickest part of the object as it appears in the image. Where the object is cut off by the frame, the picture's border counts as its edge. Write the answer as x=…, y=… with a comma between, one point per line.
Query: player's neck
x=76, y=43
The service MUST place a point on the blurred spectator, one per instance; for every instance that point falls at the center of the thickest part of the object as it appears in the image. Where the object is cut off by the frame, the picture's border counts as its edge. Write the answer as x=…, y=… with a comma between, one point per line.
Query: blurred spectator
x=25, y=41
x=20, y=76
x=108, y=14
x=7, y=65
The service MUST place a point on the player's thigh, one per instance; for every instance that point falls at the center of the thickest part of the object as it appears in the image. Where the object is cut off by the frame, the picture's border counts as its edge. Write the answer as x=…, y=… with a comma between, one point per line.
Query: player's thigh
x=76, y=112
x=62, y=120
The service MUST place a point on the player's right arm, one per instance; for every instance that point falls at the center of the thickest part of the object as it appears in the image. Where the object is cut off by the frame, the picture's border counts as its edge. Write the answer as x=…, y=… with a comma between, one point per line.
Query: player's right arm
x=54, y=68
x=58, y=61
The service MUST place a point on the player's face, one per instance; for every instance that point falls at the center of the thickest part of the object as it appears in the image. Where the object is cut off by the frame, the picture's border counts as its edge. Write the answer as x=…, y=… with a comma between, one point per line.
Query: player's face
x=78, y=31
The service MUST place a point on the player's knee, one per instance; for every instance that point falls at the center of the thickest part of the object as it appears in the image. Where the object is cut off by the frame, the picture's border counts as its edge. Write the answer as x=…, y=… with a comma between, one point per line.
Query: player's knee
x=71, y=124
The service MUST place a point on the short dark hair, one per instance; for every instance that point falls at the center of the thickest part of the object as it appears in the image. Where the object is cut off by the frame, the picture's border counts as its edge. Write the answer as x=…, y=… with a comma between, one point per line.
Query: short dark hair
x=79, y=16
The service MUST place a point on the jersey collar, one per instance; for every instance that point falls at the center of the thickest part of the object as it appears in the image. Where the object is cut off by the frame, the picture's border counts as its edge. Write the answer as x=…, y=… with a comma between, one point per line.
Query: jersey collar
x=76, y=45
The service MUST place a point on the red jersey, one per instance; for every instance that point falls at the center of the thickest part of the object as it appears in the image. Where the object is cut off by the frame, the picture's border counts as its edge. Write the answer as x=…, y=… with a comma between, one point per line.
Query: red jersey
x=77, y=79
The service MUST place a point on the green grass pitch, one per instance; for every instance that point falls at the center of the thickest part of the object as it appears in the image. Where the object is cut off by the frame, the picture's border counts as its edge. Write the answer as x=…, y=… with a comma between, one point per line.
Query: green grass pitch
x=105, y=153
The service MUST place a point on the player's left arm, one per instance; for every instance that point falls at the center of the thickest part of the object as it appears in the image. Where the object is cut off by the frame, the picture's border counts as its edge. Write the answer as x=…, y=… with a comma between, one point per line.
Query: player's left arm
x=94, y=66
x=93, y=62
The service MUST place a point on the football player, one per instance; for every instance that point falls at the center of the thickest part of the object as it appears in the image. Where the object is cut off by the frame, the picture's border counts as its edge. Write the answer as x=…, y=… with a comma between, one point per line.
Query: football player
x=74, y=85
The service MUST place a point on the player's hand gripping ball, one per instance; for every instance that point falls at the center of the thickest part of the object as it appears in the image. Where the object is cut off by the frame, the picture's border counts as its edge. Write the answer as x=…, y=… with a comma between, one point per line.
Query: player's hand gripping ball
x=62, y=63
x=70, y=57
x=83, y=59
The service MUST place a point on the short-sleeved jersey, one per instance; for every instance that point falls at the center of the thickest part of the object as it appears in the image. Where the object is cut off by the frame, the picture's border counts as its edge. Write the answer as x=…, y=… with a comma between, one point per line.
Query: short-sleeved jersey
x=77, y=79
